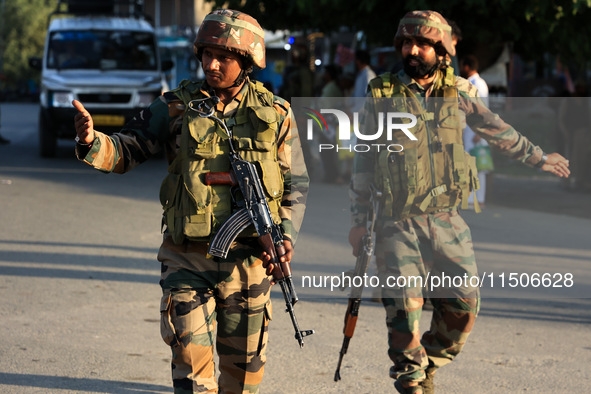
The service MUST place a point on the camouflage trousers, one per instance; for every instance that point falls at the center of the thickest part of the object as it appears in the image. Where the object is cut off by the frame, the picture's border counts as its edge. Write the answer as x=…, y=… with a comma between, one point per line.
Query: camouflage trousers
x=421, y=247
x=200, y=293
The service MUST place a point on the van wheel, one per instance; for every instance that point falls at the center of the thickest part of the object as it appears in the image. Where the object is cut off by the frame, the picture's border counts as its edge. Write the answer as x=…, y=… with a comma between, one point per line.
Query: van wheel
x=47, y=137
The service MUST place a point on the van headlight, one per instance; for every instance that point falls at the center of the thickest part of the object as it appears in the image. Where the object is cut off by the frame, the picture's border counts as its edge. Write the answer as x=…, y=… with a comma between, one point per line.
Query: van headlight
x=146, y=98
x=61, y=99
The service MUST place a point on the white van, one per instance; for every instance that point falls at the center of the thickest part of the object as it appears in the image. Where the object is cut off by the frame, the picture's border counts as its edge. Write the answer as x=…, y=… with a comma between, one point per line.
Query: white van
x=107, y=61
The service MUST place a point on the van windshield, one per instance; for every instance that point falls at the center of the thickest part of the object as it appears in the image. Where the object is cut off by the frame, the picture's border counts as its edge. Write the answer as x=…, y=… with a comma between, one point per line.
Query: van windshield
x=104, y=50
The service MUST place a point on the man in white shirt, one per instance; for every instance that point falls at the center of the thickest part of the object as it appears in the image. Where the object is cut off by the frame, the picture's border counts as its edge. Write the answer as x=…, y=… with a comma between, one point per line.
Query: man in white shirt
x=469, y=70
x=364, y=75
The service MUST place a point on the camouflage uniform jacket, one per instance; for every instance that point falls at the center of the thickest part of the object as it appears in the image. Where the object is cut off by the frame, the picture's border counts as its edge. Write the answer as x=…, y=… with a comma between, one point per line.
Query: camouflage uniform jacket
x=484, y=122
x=159, y=127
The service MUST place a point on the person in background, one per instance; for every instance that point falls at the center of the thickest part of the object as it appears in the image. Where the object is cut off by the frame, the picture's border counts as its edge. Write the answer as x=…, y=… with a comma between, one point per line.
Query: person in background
x=298, y=78
x=298, y=81
x=330, y=89
x=347, y=83
x=362, y=78
x=331, y=78
x=573, y=121
x=3, y=141
x=456, y=36
x=473, y=143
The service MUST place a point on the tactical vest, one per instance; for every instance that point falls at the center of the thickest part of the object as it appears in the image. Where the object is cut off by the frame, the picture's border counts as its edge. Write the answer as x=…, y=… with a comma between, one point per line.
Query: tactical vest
x=194, y=210
x=434, y=173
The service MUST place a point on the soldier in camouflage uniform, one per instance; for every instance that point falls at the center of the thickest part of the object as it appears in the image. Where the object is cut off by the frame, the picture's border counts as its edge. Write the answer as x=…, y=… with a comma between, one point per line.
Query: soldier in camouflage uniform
x=420, y=231
x=200, y=292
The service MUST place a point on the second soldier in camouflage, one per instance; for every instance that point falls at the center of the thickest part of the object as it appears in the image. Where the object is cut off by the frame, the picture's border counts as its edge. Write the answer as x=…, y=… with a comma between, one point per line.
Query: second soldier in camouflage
x=420, y=231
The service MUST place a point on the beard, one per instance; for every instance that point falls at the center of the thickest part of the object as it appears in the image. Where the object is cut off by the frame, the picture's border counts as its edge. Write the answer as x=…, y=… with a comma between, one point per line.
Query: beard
x=420, y=70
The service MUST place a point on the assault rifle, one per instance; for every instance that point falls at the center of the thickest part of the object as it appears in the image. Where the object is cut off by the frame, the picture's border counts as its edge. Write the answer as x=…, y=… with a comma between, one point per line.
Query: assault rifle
x=363, y=259
x=254, y=209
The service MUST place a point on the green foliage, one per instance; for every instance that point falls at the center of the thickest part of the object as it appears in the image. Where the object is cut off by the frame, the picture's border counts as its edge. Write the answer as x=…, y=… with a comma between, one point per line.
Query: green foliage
x=557, y=27
x=535, y=27
x=23, y=27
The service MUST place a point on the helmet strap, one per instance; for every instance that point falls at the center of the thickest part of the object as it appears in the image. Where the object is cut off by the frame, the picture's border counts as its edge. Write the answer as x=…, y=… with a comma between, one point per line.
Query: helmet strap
x=434, y=69
x=240, y=79
x=246, y=69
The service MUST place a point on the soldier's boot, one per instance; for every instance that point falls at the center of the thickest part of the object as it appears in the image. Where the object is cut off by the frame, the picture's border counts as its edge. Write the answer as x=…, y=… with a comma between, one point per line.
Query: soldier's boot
x=408, y=390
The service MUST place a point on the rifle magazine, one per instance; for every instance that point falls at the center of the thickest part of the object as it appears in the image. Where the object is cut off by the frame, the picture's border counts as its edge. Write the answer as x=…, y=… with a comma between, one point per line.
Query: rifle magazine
x=221, y=242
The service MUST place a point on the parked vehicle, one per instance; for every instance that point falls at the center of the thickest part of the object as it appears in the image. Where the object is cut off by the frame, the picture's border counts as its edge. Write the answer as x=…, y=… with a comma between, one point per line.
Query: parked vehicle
x=102, y=53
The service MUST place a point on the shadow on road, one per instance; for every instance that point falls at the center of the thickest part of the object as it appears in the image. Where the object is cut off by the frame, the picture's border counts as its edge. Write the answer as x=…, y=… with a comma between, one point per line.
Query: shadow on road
x=78, y=384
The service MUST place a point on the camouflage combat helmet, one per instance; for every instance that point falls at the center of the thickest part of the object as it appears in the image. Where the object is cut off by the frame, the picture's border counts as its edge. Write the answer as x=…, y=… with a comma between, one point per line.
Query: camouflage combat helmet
x=234, y=31
x=428, y=25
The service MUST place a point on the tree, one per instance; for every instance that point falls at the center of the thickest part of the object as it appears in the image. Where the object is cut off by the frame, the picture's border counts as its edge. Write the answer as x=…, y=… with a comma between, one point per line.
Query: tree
x=535, y=27
x=22, y=34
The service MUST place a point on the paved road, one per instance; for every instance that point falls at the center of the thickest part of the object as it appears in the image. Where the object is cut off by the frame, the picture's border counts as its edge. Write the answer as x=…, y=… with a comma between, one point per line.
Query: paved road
x=78, y=284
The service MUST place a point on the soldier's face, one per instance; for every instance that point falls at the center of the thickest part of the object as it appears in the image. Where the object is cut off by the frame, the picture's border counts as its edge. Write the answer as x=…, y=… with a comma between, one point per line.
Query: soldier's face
x=221, y=67
x=419, y=58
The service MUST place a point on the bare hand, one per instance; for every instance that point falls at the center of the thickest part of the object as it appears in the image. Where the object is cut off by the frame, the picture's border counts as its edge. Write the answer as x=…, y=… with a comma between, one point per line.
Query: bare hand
x=286, y=258
x=83, y=124
x=557, y=165
x=355, y=236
